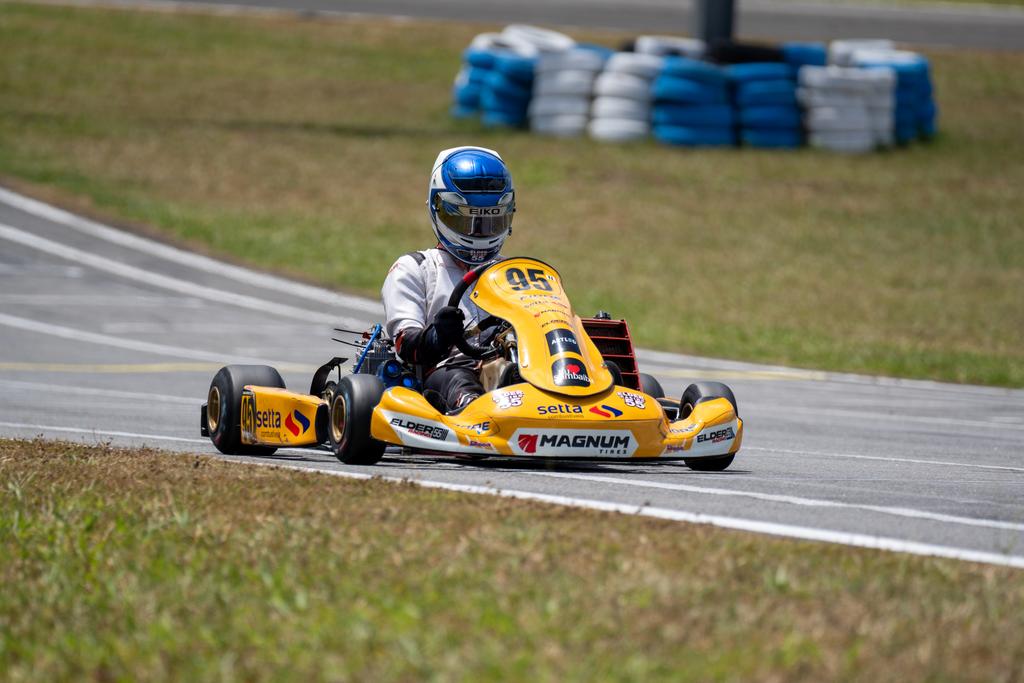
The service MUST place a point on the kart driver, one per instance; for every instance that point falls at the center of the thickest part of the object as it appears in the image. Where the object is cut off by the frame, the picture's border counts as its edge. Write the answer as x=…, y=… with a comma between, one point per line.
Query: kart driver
x=470, y=202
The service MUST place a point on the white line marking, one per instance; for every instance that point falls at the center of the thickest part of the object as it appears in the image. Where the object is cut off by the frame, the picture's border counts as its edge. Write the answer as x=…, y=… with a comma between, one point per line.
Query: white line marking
x=100, y=300
x=187, y=258
x=735, y=523
x=102, y=432
x=788, y=500
x=148, y=277
x=54, y=389
x=951, y=422
x=130, y=344
x=915, y=461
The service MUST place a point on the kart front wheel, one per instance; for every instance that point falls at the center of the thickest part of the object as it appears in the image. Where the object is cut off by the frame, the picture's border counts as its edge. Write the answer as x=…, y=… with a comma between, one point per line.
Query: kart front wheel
x=351, y=410
x=698, y=393
x=224, y=406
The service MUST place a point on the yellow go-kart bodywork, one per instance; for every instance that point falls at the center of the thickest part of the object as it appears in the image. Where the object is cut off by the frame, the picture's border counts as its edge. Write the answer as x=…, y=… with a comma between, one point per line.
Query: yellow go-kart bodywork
x=565, y=404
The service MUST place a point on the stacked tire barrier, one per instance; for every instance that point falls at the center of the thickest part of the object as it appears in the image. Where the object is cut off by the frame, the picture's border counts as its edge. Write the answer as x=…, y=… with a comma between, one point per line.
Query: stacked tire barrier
x=847, y=109
x=766, y=104
x=691, y=105
x=563, y=88
x=850, y=96
x=915, y=113
x=496, y=79
x=622, y=97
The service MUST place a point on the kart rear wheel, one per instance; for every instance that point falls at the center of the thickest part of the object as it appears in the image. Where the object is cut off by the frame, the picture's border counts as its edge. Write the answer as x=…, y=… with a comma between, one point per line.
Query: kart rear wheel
x=650, y=385
x=224, y=403
x=351, y=409
x=700, y=392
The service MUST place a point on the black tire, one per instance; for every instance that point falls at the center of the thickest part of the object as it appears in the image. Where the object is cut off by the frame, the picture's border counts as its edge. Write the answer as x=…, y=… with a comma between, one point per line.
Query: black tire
x=224, y=403
x=650, y=385
x=616, y=371
x=699, y=392
x=351, y=410
x=710, y=464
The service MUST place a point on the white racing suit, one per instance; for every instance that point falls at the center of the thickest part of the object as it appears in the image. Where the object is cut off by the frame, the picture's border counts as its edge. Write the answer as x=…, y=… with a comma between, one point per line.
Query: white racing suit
x=416, y=288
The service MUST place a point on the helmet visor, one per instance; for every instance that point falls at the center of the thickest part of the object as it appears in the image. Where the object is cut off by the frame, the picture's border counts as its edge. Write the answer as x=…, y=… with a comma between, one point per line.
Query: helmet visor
x=473, y=221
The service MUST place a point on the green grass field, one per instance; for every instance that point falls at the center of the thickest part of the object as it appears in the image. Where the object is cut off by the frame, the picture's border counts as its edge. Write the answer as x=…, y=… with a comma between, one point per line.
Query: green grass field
x=304, y=147
x=121, y=565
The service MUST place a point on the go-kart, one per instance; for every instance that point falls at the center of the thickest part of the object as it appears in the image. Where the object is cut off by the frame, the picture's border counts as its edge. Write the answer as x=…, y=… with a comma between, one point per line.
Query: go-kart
x=556, y=386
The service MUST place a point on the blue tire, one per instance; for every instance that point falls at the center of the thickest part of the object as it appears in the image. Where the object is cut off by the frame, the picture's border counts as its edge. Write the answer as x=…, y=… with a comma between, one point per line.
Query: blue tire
x=770, y=117
x=460, y=112
x=483, y=59
x=760, y=71
x=708, y=115
x=467, y=95
x=506, y=88
x=805, y=54
x=772, y=138
x=778, y=92
x=515, y=67
x=499, y=118
x=670, y=89
x=693, y=70
x=694, y=136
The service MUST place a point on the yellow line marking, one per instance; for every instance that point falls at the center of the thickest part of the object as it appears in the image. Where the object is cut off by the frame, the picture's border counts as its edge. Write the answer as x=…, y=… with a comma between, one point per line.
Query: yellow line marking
x=134, y=368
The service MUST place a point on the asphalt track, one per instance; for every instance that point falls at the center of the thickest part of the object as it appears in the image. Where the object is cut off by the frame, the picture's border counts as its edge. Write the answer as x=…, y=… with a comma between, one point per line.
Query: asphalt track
x=107, y=336
x=939, y=25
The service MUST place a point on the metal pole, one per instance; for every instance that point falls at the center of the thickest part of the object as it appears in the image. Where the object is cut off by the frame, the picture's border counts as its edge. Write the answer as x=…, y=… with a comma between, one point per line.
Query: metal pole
x=714, y=20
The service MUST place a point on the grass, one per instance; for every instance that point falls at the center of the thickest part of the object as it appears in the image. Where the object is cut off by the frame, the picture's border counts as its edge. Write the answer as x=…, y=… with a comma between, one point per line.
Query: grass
x=139, y=565
x=304, y=147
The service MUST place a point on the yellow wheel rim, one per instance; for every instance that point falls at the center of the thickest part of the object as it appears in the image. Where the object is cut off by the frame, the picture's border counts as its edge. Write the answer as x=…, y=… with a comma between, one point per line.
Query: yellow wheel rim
x=213, y=409
x=338, y=419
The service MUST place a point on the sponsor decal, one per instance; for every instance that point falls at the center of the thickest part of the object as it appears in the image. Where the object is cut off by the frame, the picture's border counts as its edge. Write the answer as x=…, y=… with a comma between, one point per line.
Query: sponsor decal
x=676, y=448
x=554, y=311
x=296, y=423
x=556, y=321
x=572, y=442
x=248, y=421
x=562, y=341
x=480, y=444
x=569, y=372
x=717, y=436
x=268, y=419
x=420, y=429
x=606, y=411
x=560, y=409
x=479, y=427
x=684, y=430
x=508, y=399
x=548, y=300
x=633, y=400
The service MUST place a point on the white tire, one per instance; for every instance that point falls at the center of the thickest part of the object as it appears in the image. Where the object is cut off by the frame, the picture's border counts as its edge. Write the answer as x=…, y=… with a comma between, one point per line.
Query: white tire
x=847, y=79
x=850, y=142
x=621, y=108
x=670, y=45
x=559, y=125
x=841, y=51
x=618, y=130
x=564, y=83
x=618, y=84
x=820, y=119
x=500, y=41
x=635, y=64
x=545, y=40
x=571, y=60
x=556, y=105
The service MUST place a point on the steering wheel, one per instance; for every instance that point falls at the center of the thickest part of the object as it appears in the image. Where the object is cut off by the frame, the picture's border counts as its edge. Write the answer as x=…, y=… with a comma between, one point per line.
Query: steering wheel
x=462, y=344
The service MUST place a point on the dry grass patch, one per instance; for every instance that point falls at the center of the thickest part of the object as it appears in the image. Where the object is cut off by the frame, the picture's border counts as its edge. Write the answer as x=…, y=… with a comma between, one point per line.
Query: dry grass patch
x=139, y=565
x=303, y=147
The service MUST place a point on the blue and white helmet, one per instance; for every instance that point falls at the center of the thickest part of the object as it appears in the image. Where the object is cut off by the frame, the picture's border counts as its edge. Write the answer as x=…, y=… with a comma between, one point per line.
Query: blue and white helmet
x=471, y=202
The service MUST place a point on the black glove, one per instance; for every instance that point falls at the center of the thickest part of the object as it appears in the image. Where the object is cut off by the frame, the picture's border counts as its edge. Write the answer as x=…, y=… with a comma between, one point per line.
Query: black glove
x=449, y=323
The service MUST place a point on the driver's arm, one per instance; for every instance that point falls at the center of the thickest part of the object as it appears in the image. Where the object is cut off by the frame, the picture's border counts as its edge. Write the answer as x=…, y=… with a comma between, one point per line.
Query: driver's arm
x=416, y=341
